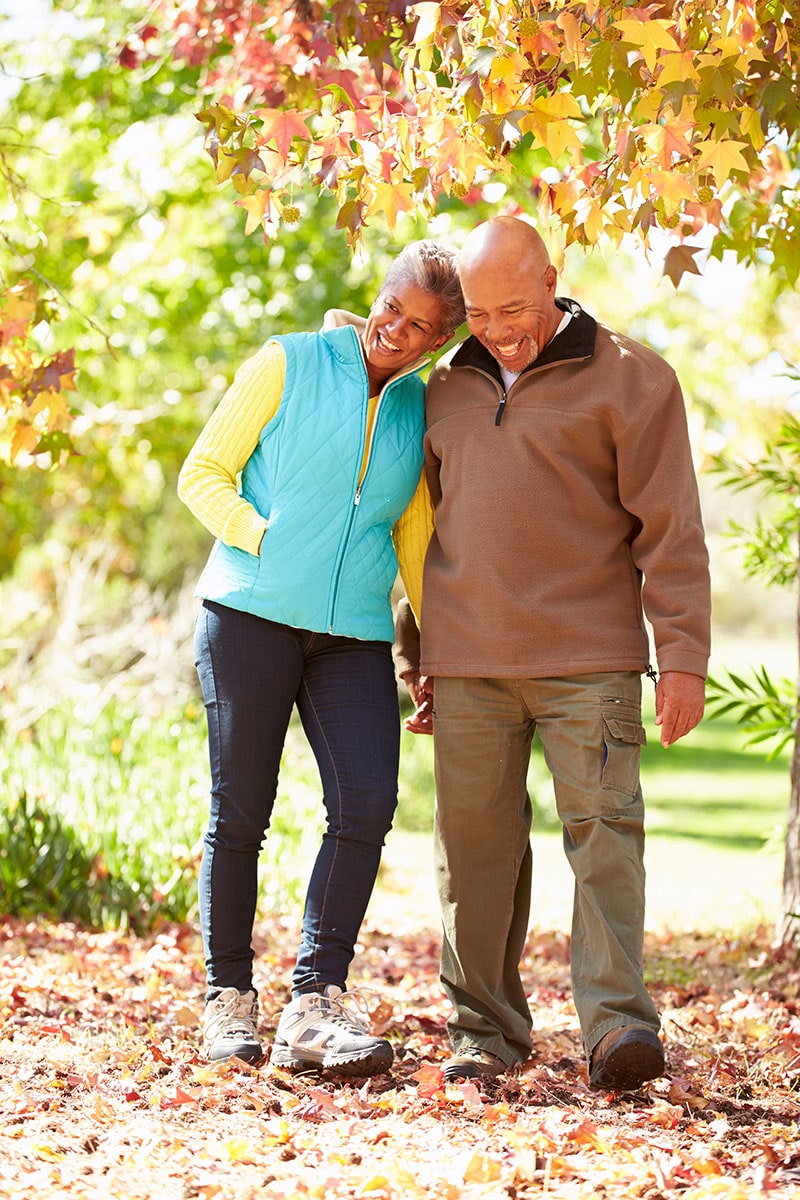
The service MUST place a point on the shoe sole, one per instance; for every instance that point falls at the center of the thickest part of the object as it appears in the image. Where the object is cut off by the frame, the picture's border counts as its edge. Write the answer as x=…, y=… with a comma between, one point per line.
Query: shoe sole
x=454, y=1074
x=248, y=1054
x=373, y=1062
x=628, y=1065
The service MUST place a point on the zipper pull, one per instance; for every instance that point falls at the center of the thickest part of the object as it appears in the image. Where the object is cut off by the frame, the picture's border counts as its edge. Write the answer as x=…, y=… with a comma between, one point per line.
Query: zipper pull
x=501, y=410
x=357, y=498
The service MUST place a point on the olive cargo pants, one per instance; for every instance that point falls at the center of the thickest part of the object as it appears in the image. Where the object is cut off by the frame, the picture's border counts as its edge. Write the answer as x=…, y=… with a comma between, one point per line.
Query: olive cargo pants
x=591, y=731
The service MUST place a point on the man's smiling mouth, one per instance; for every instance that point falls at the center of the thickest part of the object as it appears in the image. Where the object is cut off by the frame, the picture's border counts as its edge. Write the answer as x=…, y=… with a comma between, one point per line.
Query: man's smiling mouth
x=509, y=349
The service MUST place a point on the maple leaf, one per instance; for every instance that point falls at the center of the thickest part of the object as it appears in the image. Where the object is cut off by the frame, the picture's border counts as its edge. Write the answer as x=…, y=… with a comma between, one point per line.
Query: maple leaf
x=24, y=440
x=16, y=313
x=391, y=199
x=254, y=207
x=667, y=142
x=679, y=261
x=722, y=158
x=541, y=44
x=352, y=217
x=650, y=36
x=282, y=127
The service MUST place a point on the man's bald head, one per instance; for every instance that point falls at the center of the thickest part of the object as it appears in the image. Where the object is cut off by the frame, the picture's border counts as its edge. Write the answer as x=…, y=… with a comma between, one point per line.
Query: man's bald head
x=506, y=240
x=509, y=291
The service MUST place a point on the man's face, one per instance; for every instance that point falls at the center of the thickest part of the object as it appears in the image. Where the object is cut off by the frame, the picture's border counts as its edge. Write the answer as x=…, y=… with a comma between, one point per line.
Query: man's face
x=511, y=311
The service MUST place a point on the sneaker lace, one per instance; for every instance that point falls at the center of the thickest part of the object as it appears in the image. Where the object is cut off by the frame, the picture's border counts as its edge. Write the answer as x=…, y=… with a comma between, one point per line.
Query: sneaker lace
x=234, y=1017
x=350, y=1011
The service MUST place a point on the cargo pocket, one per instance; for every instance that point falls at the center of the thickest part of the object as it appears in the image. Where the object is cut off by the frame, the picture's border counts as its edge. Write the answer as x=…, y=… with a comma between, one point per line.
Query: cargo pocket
x=621, y=760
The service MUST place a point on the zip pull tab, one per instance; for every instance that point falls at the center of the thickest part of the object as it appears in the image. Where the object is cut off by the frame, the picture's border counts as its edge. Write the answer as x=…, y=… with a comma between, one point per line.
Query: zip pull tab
x=501, y=410
x=357, y=497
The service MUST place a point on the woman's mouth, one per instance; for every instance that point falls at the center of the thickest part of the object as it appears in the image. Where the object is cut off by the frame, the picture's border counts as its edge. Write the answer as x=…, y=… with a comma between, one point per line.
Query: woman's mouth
x=385, y=345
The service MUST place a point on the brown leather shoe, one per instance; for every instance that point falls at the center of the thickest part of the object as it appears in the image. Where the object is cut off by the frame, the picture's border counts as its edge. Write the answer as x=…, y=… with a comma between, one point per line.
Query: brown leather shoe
x=626, y=1058
x=473, y=1063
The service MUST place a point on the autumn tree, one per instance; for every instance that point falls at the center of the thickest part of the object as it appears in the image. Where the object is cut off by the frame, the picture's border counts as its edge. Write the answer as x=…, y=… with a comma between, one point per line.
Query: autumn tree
x=605, y=120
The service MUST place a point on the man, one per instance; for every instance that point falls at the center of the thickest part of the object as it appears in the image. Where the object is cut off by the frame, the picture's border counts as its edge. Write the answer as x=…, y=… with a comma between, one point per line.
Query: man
x=565, y=500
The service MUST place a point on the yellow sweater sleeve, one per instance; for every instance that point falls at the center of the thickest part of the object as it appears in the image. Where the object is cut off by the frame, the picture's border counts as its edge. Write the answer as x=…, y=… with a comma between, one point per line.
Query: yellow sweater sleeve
x=207, y=483
x=411, y=534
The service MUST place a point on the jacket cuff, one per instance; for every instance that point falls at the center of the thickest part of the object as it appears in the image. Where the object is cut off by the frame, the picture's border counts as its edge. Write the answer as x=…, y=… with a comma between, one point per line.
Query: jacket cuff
x=406, y=639
x=693, y=662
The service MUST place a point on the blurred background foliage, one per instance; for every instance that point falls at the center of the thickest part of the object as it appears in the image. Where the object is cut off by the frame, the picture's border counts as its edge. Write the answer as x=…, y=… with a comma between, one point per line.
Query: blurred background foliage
x=163, y=296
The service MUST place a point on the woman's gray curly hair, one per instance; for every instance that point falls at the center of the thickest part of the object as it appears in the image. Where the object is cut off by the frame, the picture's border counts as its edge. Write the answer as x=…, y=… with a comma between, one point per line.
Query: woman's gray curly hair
x=433, y=267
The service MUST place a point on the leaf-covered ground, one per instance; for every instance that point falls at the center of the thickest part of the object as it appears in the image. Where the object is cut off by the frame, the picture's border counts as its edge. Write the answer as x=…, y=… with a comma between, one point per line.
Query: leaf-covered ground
x=103, y=1092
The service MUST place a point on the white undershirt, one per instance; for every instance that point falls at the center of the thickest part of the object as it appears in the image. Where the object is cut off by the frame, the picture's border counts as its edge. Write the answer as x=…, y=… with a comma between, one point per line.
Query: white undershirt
x=511, y=377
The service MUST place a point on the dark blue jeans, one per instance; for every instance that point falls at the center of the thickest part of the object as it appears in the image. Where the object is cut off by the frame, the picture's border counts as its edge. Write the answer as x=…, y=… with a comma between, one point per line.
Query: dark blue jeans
x=252, y=672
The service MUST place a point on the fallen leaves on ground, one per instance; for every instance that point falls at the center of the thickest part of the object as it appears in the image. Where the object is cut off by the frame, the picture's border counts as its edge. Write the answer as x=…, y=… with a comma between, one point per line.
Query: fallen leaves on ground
x=104, y=1092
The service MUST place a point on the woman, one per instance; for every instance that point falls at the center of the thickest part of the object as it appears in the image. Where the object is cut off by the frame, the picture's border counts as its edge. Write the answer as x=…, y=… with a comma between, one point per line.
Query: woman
x=326, y=430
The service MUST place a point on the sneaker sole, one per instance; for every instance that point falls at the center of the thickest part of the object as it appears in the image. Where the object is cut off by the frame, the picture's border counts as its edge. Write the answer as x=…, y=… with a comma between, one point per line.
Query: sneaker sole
x=247, y=1052
x=371, y=1062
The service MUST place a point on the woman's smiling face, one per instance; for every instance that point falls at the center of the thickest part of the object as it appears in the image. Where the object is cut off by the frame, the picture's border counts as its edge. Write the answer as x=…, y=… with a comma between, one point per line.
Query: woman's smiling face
x=403, y=326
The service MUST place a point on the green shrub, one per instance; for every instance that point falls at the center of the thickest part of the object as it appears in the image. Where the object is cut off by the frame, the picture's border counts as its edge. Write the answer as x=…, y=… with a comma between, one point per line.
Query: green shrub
x=114, y=835
x=47, y=868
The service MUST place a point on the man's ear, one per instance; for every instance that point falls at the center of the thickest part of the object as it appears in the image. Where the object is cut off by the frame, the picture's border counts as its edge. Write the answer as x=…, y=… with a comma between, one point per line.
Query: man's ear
x=550, y=278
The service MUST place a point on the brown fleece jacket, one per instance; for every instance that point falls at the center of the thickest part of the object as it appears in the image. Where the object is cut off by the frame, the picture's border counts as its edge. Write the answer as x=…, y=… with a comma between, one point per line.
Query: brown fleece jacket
x=559, y=509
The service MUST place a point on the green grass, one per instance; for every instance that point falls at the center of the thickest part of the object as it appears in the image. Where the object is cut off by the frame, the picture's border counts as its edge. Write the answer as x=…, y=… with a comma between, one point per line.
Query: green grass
x=127, y=791
x=705, y=787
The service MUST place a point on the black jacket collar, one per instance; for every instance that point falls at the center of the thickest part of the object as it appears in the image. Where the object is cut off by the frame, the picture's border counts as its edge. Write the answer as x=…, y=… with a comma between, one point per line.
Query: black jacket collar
x=575, y=342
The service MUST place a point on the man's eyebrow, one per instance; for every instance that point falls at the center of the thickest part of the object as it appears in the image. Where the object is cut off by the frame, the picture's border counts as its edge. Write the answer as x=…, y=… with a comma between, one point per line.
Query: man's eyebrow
x=505, y=304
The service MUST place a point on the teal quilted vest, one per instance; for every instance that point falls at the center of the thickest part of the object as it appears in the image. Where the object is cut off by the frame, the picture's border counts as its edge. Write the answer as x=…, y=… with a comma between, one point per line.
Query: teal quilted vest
x=327, y=562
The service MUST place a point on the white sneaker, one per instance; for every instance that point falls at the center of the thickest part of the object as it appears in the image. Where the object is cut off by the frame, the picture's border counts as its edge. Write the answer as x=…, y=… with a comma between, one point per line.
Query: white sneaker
x=230, y=1026
x=318, y=1031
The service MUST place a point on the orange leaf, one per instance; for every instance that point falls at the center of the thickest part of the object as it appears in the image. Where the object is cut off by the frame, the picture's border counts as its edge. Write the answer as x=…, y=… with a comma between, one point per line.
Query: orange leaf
x=429, y=1078
x=281, y=127
x=254, y=207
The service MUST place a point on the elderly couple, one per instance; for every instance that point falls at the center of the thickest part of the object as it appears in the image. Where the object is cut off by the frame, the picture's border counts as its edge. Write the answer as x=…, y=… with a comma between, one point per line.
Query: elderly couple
x=543, y=479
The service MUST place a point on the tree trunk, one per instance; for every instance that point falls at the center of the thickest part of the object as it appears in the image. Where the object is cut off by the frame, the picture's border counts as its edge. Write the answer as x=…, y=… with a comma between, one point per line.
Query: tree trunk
x=788, y=927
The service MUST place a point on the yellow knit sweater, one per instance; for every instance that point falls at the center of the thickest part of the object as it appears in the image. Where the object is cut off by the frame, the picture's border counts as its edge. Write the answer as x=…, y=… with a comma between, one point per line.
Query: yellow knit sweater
x=208, y=479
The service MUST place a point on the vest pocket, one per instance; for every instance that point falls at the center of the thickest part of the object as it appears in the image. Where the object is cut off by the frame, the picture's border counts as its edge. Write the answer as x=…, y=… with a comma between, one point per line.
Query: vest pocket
x=622, y=740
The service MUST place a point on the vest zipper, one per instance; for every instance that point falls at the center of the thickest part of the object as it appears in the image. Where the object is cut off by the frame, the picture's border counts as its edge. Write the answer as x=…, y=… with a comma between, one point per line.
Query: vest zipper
x=354, y=506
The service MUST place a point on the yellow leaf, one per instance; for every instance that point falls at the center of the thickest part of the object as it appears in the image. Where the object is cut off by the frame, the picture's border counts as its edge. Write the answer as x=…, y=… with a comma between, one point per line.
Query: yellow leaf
x=504, y=84
x=675, y=68
x=429, y=22
x=378, y=1183
x=48, y=1153
x=560, y=137
x=650, y=36
x=673, y=187
x=573, y=44
x=750, y=123
x=390, y=199
x=589, y=214
x=225, y=164
x=482, y=1169
x=237, y=1150
x=560, y=104
x=254, y=207
x=722, y=158
x=24, y=440
x=664, y=141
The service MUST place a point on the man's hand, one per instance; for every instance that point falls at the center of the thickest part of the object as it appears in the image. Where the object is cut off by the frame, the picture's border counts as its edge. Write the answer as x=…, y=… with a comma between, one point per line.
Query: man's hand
x=680, y=700
x=421, y=689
